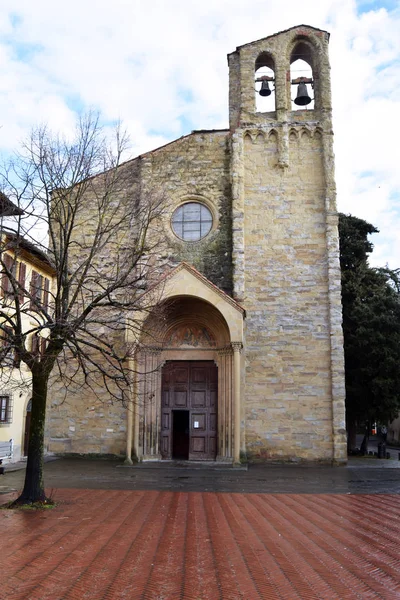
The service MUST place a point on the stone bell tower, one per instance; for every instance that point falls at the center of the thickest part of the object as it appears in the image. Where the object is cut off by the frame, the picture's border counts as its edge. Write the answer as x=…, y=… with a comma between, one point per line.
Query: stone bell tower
x=286, y=269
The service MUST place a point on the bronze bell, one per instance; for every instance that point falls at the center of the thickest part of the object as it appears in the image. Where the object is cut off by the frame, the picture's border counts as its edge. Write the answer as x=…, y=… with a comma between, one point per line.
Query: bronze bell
x=264, y=91
x=302, y=98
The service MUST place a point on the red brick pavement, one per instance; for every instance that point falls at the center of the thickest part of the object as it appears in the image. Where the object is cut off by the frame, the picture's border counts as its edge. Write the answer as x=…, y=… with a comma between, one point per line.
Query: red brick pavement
x=110, y=544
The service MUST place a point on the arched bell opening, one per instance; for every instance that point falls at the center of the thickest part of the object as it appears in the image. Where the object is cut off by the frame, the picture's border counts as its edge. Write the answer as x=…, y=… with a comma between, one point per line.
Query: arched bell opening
x=185, y=391
x=302, y=76
x=265, y=83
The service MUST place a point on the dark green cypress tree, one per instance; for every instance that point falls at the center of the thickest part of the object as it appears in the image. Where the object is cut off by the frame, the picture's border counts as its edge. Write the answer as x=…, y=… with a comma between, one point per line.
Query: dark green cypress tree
x=371, y=328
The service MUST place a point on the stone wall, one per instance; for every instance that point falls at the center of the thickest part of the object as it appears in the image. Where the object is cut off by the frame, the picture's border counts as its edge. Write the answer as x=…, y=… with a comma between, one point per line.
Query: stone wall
x=285, y=256
x=288, y=399
x=82, y=423
x=269, y=183
x=196, y=167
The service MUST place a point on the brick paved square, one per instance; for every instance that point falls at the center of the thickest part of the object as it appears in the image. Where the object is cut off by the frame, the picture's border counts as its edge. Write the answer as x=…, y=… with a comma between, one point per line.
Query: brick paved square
x=165, y=545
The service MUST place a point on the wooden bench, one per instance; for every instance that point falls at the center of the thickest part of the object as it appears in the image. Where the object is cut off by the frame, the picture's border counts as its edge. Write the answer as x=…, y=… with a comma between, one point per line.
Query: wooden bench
x=6, y=451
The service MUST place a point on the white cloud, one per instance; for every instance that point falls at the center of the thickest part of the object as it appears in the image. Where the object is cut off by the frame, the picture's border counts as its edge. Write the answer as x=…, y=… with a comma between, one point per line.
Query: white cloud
x=161, y=68
x=365, y=55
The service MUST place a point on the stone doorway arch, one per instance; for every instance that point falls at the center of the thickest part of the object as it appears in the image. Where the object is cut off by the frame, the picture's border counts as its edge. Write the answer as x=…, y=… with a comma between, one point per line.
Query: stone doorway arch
x=196, y=322
x=188, y=330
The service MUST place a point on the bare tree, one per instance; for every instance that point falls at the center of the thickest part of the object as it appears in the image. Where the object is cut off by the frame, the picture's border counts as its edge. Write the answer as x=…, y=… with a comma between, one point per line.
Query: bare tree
x=103, y=238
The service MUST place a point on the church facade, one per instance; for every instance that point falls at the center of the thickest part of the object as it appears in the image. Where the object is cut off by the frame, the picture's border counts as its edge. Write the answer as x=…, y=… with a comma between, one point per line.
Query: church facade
x=249, y=361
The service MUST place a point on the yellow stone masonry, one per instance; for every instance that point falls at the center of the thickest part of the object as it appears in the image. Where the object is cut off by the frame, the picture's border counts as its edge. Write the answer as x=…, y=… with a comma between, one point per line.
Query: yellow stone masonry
x=273, y=248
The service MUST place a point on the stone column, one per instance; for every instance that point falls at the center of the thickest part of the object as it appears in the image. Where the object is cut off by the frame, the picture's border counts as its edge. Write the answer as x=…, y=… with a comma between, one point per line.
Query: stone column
x=151, y=417
x=237, y=348
x=221, y=404
x=225, y=401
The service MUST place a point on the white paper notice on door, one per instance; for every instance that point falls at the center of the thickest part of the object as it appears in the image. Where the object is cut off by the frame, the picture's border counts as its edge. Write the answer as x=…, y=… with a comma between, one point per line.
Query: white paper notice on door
x=196, y=425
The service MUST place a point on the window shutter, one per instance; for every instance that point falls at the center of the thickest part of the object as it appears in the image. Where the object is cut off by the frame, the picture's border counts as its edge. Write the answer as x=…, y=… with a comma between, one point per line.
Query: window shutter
x=35, y=344
x=42, y=345
x=39, y=293
x=8, y=353
x=36, y=290
x=5, y=283
x=21, y=281
x=3, y=344
x=17, y=359
x=46, y=293
x=34, y=276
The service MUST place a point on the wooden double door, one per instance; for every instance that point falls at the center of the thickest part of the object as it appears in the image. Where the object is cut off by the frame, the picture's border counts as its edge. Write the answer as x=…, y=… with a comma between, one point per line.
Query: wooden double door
x=189, y=401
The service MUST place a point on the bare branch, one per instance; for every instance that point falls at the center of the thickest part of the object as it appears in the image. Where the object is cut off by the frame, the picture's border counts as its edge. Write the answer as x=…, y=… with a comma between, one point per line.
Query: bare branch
x=76, y=260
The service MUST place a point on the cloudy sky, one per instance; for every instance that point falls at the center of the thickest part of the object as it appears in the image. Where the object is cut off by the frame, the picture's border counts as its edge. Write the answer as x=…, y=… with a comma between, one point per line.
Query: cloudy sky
x=160, y=66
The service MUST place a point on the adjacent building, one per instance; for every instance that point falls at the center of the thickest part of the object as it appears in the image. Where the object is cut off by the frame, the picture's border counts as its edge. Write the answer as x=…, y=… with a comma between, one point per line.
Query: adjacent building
x=33, y=274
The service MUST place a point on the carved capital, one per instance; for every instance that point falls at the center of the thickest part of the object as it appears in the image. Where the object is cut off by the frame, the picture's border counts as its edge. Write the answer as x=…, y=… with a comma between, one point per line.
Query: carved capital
x=226, y=351
x=237, y=346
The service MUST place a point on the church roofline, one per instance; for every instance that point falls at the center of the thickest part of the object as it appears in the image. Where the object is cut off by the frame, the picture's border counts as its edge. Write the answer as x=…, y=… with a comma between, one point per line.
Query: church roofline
x=183, y=137
x=140, y=156
x=238, y=48
x=16, y=242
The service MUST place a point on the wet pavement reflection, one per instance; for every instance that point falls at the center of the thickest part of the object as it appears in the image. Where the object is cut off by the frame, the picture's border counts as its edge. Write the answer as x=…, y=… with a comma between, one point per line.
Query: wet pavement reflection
x=199, y=533
x=361, y=476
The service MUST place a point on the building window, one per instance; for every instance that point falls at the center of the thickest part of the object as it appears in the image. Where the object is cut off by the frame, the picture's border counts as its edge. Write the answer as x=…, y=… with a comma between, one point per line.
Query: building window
x=5, y=409
x=38, y=345
x=9, y=275
x=192, y=221
x=8, y=271
x=40, y=287
x=36, y=289
x=21, y=281
x=9, y=356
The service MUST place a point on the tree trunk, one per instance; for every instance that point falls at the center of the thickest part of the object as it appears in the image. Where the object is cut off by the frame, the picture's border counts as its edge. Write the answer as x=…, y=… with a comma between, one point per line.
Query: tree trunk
x=351, y=434
x=364, y=443
x=34, y=483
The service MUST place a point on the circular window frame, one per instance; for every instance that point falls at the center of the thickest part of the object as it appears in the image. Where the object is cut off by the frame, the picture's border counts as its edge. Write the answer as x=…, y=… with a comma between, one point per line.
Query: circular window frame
x=194, y=199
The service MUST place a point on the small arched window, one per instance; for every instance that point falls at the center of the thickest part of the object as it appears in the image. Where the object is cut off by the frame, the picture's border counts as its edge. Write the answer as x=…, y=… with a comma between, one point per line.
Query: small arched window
x=302, y=77
x=264, y=83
